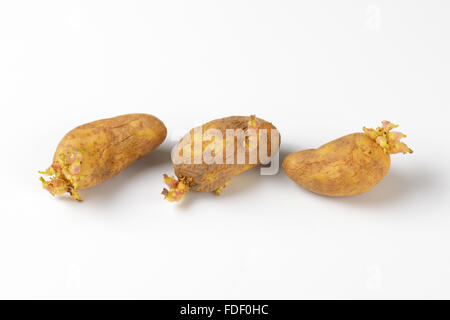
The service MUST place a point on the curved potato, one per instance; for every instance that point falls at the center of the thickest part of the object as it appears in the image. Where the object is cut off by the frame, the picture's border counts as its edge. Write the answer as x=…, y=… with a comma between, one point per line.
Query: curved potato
x=214, y=176
x=97, y=151
x=347, y=166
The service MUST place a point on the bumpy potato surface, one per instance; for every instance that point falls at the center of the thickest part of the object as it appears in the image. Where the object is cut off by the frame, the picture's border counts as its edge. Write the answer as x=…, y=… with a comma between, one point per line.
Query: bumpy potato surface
x=213, y=177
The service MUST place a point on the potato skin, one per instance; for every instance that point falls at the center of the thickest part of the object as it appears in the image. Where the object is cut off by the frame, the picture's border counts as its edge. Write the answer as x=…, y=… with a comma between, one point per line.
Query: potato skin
x=97, y=151
x=347, y=166
x=211, y=177
x=109, y=146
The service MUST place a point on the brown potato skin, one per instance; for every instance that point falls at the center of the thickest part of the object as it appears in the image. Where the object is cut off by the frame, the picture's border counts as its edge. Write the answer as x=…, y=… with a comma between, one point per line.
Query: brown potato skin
x=109, y=146
x=347, y=166
x=210, y=177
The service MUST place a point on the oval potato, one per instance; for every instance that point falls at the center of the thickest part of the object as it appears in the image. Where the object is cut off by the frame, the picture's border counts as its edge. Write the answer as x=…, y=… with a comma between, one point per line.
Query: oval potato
x=212, y=177
x=97, y=151
x=347, y=166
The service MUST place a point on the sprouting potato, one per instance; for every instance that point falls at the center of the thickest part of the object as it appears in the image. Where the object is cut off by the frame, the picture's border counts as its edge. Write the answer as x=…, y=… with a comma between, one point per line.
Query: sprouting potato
x=230, y=156
x=348, y=166
x=95, y=152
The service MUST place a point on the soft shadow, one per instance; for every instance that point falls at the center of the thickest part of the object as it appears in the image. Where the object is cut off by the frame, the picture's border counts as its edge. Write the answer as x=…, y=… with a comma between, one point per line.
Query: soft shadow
x=110, y=188
x=395, y=187
x=190, y=198
x=240, y=183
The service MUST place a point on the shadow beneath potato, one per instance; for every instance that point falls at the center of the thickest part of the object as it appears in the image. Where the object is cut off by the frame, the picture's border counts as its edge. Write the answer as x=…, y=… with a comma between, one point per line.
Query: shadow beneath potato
x=395, y=187
x=237, y=186
x=240, y=183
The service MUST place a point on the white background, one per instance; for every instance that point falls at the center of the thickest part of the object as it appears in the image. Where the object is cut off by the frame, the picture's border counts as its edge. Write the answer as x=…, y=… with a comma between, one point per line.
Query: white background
x=316, y=69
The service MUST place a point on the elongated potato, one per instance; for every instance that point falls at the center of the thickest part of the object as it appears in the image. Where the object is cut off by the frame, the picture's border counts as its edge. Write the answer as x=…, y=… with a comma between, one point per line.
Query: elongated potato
x=348, y=166
x=234, y=146
x=97, y=151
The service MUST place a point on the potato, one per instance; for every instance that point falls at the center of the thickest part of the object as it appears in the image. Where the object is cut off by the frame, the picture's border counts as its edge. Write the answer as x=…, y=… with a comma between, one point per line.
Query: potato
x=348, y=166
x=227, y=157
x=95, y=152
